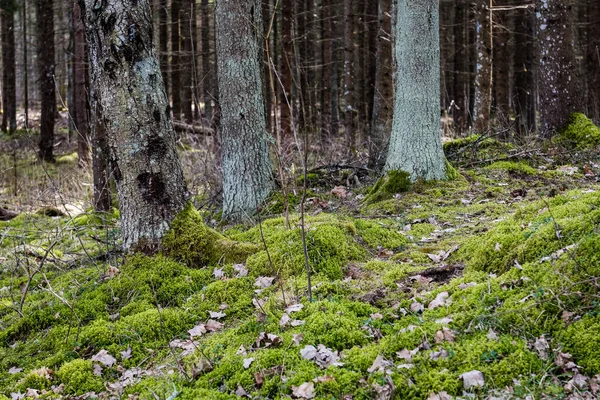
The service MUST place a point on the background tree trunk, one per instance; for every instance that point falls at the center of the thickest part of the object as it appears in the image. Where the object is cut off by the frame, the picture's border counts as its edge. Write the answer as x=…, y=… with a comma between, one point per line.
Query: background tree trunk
x=9, y=116
x=81, y=110
x=163, y=34
x=186, y=60
x=524, y=85
x=45, y=22
x=483, y=96
x=100, y=162
x=383, y=109
x=559, y=92
x=416, y=144
x=176, y=66
x=247, y=169
x=349, y=110
x=129, y=87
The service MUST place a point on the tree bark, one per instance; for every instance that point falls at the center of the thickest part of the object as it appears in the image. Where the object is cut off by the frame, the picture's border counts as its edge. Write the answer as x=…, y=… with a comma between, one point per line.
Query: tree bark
x=207, y=70
x=247, y=169
x=502, y=64
x=100, y=162
x=524, y=84
x=163, y=29
x=349, y=109
x=559, y=92
x=383, y=109
x=81, y=90
x=25, y=67
x=416, y=144
x=287, y=8
x=9, y=116
x=45, y=50
x=483, y=96
x=460, y=111
x=129, y=88
x=327, y=70
x=593, y=59
x=176, y=66
x=186, y=60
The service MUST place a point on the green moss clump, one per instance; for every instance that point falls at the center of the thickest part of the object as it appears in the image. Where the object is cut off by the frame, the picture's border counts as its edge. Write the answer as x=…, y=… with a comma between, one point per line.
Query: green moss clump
x=387, y=186
x=513, y=167
x=582, y=340
x=379, y=234
x=190, y=241
x=580, y=132
x=453, y=146
x=78, y=377
x=236, y=293
x=67, y=158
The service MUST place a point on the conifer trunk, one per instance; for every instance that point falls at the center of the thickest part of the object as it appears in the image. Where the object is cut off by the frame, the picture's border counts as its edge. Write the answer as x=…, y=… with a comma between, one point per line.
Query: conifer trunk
x=45, y=50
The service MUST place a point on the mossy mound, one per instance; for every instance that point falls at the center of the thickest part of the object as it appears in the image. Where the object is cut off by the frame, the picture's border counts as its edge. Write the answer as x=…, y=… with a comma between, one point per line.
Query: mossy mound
x=387, y=186
x=475, y=147
x=580, y=132
x=518, y=168
x=190, y=241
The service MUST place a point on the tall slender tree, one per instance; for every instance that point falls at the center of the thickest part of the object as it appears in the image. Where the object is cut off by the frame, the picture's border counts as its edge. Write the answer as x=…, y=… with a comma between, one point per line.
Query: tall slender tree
x=176, y=66
x=383, y=110
x=207, y=69
x=247, y=169
x=559, y=91
x=483, y=99
x=416, y=144
x=81, y=110
x=128, y=87
x=46, y=63
x=9, y=116
x=524, y=65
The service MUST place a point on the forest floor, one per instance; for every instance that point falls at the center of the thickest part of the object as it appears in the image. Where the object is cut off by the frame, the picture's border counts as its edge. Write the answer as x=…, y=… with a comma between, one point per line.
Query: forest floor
x=486, y=286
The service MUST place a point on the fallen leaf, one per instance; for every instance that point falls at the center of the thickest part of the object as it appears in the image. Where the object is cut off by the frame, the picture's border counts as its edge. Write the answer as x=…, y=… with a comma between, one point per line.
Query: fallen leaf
x=436, y=355
x=417, y=307
x=297, y=339
x=248, y=362
x=445, y=335
x=436, y=258
x=213, y=325
x=216, y=314
x=472, y=379
x=297, y=322
x=439, y=396
x=198, y=330
x=404, y=355
x=463, y=286
x=304, y=391
x=105, y=358
x=294, y=308
x=439, y=300
x=443, y=321
x=379, y=365
x=32, y=393
x=241, y=351
x=218, y=273
x=324, y=379
x=241, y=392
x=264, y=281
x=97, y=369
x=240, y=270
x=15, y=370
x=376, y=316
x=126, y=354
x=285, y=320
x=340, y=192
x=541, y=346
x=492, y=335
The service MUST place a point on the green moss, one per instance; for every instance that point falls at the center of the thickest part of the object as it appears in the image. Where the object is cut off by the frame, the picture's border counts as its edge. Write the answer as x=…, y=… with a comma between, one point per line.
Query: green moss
x=40, y=379
x=580, y=132
x=235, y=293
x=378, y=234
x=520, y=167
x=582, y=340
x=67, y=158
x=190, y=241
x=453, y=146
x=78, y=377
x=387, y=186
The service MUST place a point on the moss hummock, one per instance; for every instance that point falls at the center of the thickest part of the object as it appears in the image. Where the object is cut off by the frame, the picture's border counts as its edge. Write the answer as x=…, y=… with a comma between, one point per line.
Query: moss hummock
x=190, y=241
x=580, y=132
x=387, y=186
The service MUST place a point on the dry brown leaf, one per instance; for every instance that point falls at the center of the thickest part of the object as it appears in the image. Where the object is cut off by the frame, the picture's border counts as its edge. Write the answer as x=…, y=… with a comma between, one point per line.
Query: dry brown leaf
x=304, y=391
x=472, y=379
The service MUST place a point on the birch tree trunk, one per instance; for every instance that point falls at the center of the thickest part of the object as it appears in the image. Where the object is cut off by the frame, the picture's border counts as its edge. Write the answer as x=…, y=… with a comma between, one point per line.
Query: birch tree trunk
x=128, y=85
x=559, y=93
x=416, y=143
x=247, y=169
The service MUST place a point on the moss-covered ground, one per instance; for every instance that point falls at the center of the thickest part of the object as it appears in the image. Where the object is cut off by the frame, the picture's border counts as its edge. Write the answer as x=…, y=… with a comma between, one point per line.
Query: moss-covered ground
x=485, y=286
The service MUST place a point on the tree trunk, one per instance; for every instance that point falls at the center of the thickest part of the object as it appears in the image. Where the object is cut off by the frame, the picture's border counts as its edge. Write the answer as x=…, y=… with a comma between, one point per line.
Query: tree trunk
x=502, y=64
x=593, y=59
x=326, y=74
x=9, y=116
x=460, y=111
x=45, y=21
x=81, y=110
x=186, y=60
x=100, y=162
x=349, y=109
x=247, y=169
x=559, y=92
x=207, y=70
x=176, y=66
x=383, y=109
x=25, y=67
x=287, y=8
x=416, y=144
x=129, y=88
x=483, y=96
x=524, y=85
x=163, y=29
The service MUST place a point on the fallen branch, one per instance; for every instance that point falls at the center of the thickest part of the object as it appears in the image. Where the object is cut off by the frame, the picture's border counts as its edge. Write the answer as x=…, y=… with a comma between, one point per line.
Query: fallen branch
x=6, y=215
x=197, y=129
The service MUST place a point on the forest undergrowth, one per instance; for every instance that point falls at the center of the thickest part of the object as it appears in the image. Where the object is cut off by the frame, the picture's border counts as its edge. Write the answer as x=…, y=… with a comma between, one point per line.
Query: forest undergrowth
x=485, y=286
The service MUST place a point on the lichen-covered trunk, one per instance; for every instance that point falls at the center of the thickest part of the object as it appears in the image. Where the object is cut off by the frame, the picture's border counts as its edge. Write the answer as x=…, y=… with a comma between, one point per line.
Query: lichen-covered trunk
x=9, y=116
x=45, y=52
x=559, y=94
x=81, y=110
x=416, y=144
x=128, y=85
x=247, y=169
x=383, y=109
x=483, y=94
